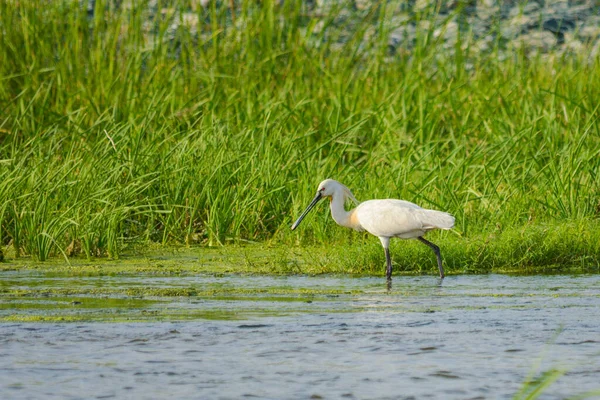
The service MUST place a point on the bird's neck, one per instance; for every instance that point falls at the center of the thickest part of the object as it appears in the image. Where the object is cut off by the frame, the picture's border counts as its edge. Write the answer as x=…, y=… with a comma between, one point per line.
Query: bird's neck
x=339, y=213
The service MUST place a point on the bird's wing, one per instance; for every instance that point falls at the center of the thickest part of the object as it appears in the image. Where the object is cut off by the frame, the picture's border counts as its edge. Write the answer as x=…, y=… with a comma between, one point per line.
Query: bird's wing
x=399, y=218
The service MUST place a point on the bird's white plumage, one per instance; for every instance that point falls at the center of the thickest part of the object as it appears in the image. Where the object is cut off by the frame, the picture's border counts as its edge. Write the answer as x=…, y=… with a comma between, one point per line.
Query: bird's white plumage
x=399, y=218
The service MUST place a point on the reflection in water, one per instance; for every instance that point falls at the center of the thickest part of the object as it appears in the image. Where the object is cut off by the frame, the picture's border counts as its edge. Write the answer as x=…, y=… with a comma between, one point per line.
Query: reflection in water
x=325, y=337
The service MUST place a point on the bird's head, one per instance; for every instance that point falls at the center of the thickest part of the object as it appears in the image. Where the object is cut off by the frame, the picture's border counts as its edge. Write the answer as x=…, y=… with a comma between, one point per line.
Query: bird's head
x=327, y=188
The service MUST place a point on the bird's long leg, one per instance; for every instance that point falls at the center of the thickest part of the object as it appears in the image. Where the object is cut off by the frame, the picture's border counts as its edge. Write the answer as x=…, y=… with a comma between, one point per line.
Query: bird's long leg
x=388, y=261
x=385, y=242
x=436, y=250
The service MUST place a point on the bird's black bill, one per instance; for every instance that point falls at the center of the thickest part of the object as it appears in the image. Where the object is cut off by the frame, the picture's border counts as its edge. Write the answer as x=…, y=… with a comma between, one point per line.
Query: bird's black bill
x=310, y=207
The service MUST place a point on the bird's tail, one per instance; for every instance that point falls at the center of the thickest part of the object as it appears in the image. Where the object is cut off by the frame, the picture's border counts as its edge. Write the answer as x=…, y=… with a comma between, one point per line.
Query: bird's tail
x=433, y=219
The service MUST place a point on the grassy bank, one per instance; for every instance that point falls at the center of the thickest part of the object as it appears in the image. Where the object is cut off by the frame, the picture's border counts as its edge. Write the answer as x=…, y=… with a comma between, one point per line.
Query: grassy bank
x=121, y=129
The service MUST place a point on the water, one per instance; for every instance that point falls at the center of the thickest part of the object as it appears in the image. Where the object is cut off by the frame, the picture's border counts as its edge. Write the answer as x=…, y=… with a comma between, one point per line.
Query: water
x=298, y=337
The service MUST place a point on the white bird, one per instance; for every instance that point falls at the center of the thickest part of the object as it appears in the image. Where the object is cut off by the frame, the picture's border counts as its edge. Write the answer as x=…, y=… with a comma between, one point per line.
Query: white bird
x=385, y=218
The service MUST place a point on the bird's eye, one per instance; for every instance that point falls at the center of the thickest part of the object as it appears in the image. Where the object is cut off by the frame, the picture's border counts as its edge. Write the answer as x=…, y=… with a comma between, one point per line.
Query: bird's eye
x=322, y=189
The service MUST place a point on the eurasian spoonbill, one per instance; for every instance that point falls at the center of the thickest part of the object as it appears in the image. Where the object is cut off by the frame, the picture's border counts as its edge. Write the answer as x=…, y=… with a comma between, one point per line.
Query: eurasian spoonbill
x=386, y=218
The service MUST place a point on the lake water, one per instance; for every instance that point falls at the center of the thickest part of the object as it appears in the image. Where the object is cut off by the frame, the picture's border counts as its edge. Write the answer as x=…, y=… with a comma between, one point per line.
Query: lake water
x=297, y=337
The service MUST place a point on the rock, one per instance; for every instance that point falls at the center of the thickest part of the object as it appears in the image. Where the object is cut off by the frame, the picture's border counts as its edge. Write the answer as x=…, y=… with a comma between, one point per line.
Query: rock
x=487, y=9
x=572, y=44
x=590, y=31
x=515, y=26
x=449, y=33
x=485, y=44
x=557, y=5
x=421, y=5
x=527, y=9
x=424, y=26
x=558, y=26
x=402, y=37
x=362, y=5
x=536, y=40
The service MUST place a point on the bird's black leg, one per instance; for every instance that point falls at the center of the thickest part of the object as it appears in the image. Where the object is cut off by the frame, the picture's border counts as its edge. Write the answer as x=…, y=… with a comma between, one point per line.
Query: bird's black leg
x=436, y=250
x=388, y=260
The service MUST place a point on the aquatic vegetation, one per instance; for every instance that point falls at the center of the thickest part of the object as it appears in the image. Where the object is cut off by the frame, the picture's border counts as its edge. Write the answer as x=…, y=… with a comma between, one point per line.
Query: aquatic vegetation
x=118, y=130
x=537, y=383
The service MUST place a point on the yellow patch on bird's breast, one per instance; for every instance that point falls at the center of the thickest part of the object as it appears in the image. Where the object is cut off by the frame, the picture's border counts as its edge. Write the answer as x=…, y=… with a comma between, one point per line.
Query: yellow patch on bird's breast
x=354, y=223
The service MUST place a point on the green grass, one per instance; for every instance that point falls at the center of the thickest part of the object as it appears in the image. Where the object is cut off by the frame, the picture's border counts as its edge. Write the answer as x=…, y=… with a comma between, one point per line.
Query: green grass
x=121, y=129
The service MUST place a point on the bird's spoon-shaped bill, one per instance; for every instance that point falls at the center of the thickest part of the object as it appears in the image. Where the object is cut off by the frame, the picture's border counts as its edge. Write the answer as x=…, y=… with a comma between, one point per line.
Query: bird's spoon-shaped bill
x=310, y=207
